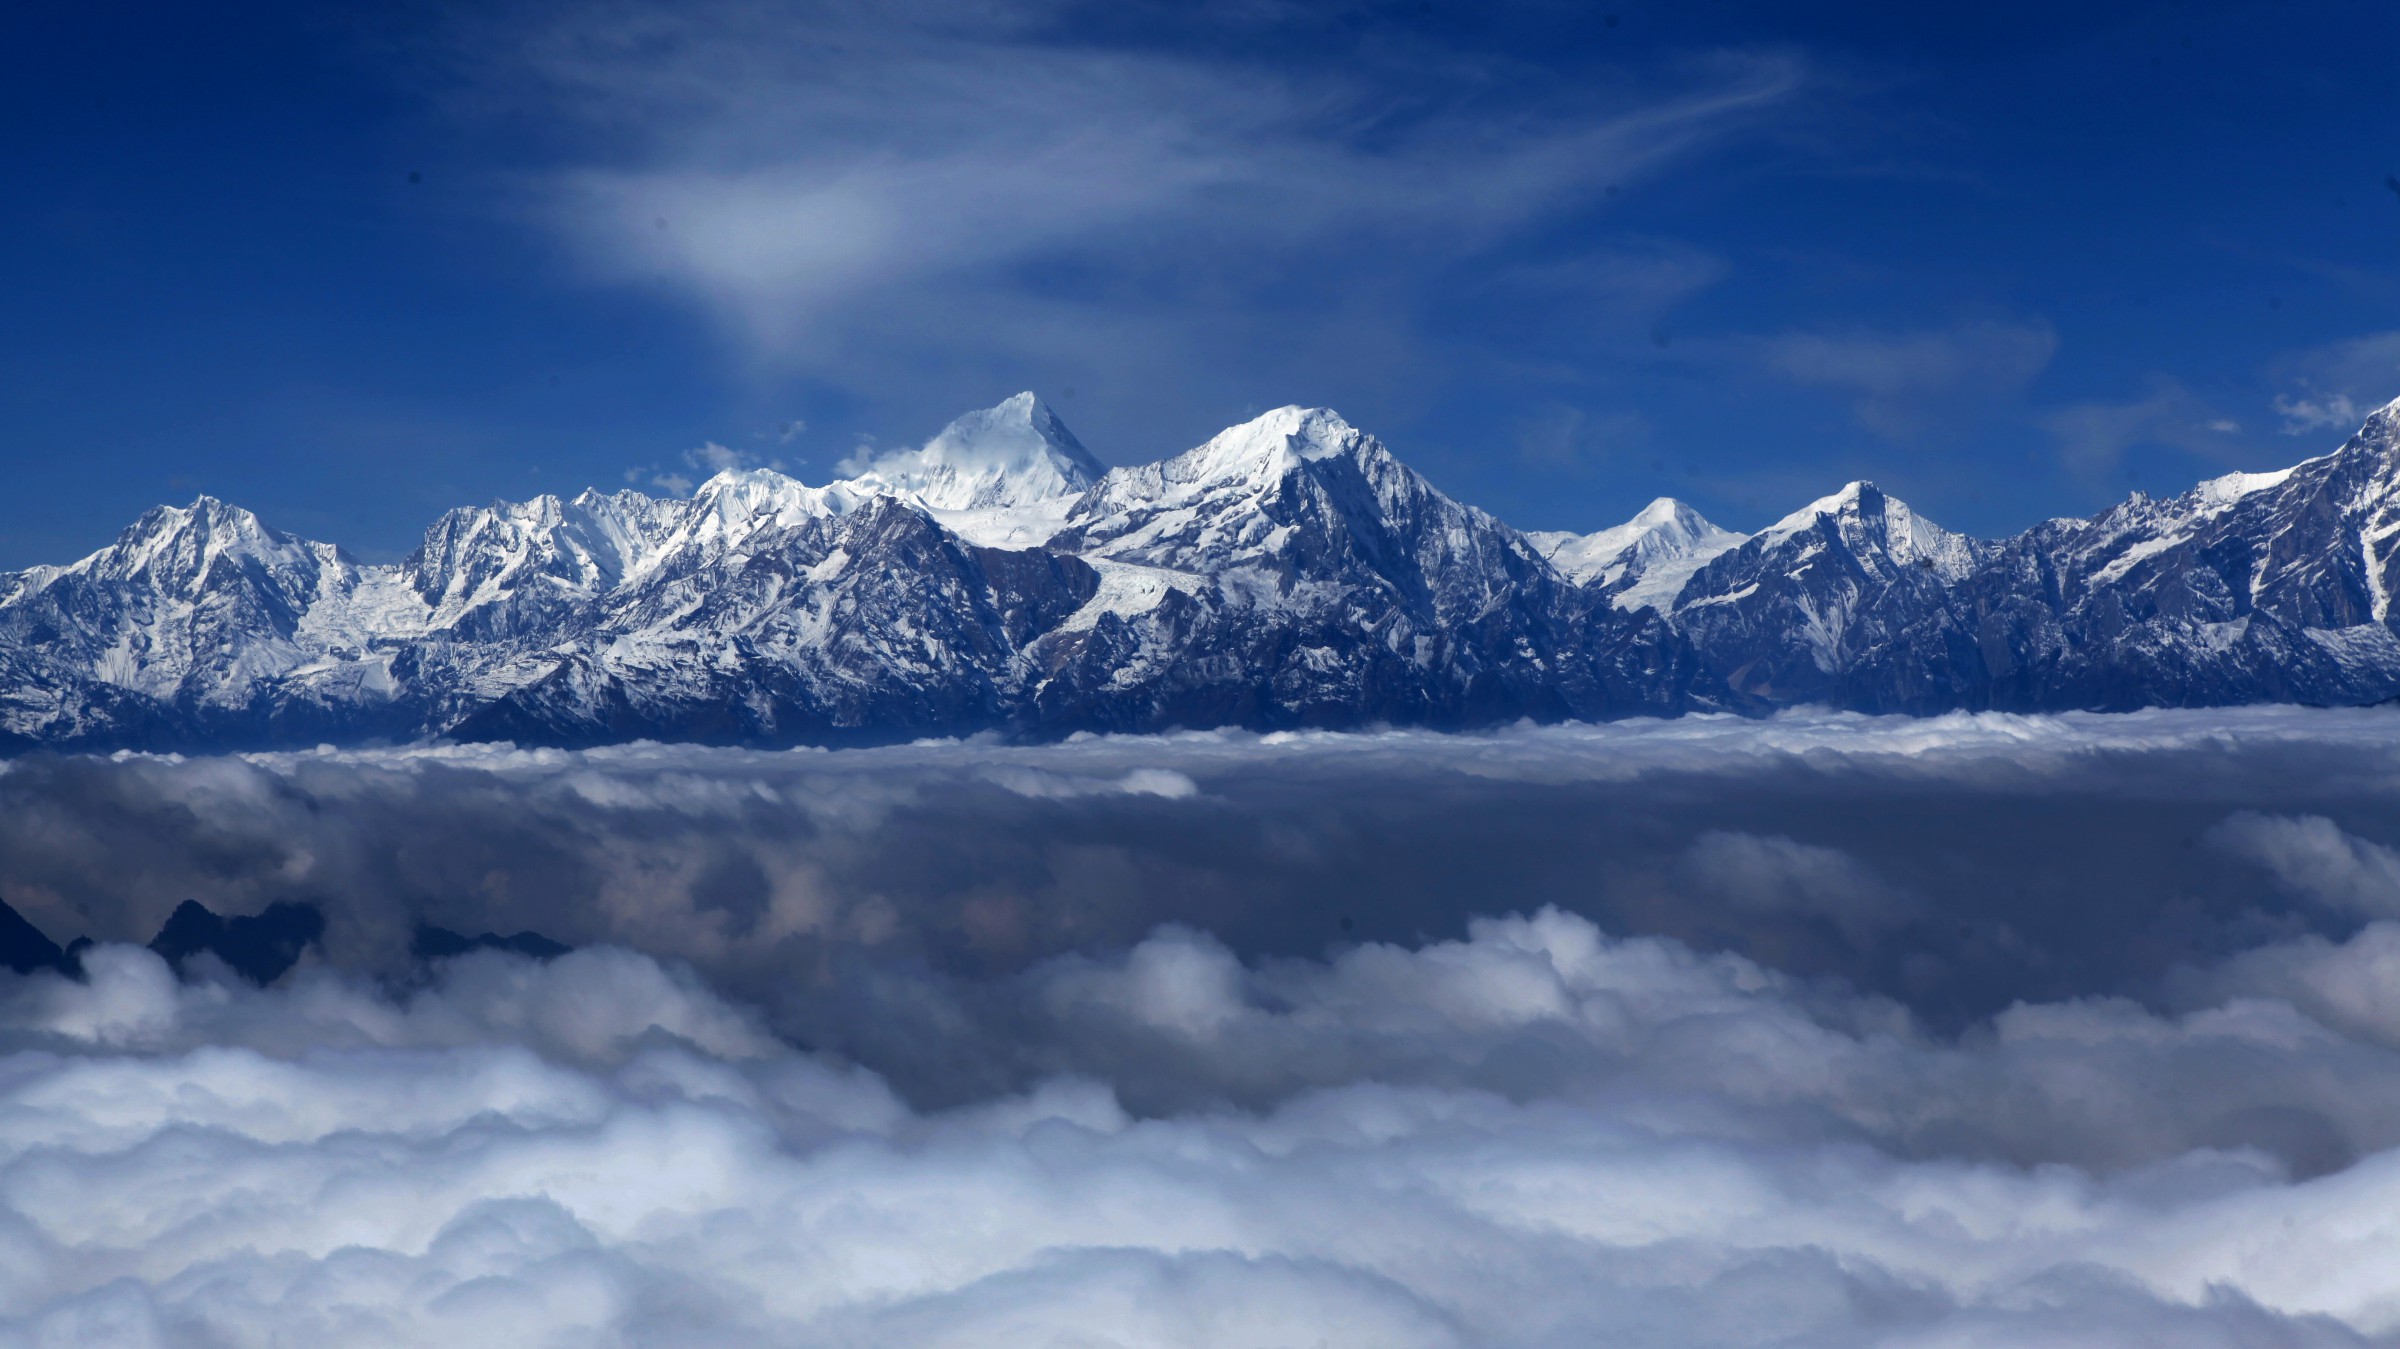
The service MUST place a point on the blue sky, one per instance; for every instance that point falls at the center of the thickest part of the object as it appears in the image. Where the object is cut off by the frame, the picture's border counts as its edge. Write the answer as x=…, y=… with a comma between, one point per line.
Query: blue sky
x=353, y=265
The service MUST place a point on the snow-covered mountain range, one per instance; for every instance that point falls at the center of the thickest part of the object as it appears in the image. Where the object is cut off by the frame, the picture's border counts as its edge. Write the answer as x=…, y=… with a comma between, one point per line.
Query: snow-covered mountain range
x=1290, y=572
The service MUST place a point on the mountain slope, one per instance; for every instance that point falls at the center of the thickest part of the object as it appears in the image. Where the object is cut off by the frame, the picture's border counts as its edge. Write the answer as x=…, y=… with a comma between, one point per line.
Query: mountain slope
x=2273, y=582
x=1289, y=572
x=191, y=610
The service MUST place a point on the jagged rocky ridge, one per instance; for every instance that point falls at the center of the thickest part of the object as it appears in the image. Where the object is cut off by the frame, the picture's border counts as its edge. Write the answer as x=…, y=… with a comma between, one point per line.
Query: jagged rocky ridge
x=258, y=947
x=1290, y=572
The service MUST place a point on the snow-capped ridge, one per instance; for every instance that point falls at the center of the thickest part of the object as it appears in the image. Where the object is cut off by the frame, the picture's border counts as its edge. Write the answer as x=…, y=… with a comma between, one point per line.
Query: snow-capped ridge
x=739, y=499
x=1273, y=441
x=1297, y=512
x=218, y=522
x=1646, y=560
x=579, y=548
x=2232, y=487
x=1852, y=498
x=1290, y=571
x=175, y=548
x=1868, y=519
x=737, y=505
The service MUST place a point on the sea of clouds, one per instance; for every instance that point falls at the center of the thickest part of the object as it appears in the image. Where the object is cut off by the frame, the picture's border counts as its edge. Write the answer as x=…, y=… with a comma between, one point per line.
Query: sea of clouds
x=1818, y=1031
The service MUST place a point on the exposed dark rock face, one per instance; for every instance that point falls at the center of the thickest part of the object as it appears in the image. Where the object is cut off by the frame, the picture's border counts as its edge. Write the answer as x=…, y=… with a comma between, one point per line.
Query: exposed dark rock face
x=26, y=948
x=259, y=947
x=1289, y=573
x=440, y=943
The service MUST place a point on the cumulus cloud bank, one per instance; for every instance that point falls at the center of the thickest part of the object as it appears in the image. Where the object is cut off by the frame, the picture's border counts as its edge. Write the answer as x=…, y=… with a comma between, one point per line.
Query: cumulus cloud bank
x=2313, y=857
x=1820, y=1030
x=1536, y=1135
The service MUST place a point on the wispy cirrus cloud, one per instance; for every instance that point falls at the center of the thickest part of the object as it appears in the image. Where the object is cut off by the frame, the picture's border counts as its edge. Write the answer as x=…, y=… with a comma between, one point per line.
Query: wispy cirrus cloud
x=2092, y=437
x=990, y=187
x=706, y=459
x=792, y=176
x=1902, y=385
x=2333, y=387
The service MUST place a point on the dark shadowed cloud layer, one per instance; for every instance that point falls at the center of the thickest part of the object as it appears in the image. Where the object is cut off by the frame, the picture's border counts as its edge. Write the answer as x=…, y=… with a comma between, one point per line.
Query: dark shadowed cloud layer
x=1957, y=863
x=1825, y=1030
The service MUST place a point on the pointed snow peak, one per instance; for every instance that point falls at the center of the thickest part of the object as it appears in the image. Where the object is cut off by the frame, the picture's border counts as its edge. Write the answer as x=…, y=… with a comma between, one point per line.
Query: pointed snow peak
x=1311, y=433
x=1233, y=473
x=1018, y=432
x=1015, y=454
x=1668, y=525
x=534, y=512
x=203, y=507
x=1665, y=514
x=1869, y=521
x=1664, y=511
x=2377, y=439
x=1664, y=542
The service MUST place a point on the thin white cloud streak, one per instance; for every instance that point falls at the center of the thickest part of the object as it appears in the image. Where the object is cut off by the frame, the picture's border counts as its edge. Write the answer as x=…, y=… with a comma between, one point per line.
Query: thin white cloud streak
x=2094, y=437
x=1044, y=785
x=2334, y=386
x=706, y=459
x=2004, y=743
x=598, y=1150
